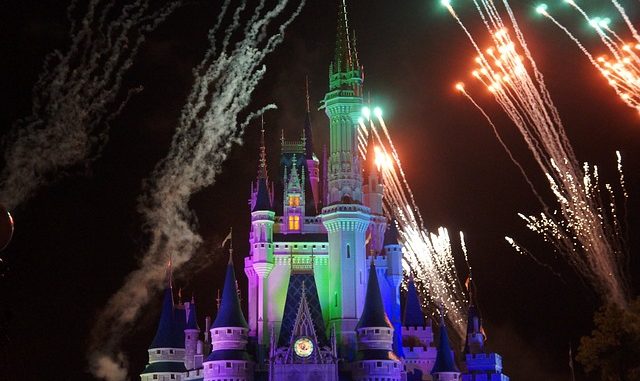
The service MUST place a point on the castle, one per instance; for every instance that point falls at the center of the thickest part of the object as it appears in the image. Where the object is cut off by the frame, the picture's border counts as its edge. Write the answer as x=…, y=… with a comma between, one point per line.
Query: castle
x=324, y=273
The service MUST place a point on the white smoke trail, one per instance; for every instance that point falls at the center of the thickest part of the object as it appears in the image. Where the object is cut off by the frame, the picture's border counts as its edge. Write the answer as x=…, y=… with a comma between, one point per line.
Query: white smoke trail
x=75, y=96
x=209, y=125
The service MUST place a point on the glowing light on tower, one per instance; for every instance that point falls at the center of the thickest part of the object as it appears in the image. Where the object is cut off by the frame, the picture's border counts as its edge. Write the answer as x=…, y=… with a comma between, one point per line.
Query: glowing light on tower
x=584, y=228
x=427, y=256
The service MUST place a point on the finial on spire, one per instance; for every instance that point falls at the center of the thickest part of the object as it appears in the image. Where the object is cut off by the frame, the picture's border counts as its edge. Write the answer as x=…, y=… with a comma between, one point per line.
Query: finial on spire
x=170, y=272
x=343, y=59
x=306, y=81
x=262, y=170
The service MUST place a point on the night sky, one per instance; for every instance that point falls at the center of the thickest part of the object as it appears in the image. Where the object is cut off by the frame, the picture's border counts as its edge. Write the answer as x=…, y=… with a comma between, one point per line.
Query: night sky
x=79, y=237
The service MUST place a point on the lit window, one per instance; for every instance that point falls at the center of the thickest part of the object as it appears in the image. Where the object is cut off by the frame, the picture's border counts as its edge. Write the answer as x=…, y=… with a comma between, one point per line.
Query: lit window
x=294, y=200
x=294, y=222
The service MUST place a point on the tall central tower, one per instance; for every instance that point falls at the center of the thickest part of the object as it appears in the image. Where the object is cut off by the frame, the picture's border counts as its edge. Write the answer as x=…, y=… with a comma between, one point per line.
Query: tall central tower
x=345, y=217
x=343, y=105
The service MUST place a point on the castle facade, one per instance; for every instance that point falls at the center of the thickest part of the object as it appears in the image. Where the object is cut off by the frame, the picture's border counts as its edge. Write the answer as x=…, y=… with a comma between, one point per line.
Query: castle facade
x=324, y=273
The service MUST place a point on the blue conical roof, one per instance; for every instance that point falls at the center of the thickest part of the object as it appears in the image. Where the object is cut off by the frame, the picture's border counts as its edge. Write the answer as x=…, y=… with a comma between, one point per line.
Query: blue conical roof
x=192, y=319
x=444, y=359
x=263, y=198
x=230, y=314
x=168, y=334
x=373, y=313
x=391, y=235
x=413, y=316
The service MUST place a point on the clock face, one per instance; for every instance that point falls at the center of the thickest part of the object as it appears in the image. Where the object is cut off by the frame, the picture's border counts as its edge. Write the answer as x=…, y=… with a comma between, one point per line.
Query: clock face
x=303, y=347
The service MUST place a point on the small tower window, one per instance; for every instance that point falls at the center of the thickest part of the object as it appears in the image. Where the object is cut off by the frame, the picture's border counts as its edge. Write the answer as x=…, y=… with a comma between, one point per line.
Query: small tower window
x=294, y=200
x=294, y=222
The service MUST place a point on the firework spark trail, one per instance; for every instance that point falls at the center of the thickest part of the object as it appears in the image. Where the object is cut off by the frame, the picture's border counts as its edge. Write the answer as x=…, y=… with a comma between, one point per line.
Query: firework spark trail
x=584, y=229
x=460, y=87
x=209, y=126
x=622, y=70
x=76, y=95
x=427, y=256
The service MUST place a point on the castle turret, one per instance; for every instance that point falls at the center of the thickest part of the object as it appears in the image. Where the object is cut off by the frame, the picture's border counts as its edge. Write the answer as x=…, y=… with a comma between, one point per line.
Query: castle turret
x=261, y=261
x=481, y=366
x=393, y=275
x=193, y=346
x=229, y=358
x=345, y=217
x=166, y=352
x=417, y=337
x=475, y=337
x=343, y=106
x=445, y=368
x=375, y=357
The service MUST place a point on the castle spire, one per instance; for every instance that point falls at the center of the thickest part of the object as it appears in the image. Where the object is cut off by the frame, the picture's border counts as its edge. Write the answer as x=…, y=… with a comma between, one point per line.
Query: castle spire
x=261, y=198
x=373, y=313
x=445, y=367
x=307, y=134
x=167, y=334
x=474, y=342
x=230, y=314
x=413, y=316
x=306, y=82
x=343, y=60
x=262, y=169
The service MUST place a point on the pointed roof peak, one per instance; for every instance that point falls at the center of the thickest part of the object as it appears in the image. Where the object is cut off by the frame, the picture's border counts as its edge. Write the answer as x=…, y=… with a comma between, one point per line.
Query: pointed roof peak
x=445, y=362
x=413, y=316
x=345, y=50
x=169, y=274
x=391, y=234
x=373, y=313
x=169, y=332
x=230, y=313
x=192, y=318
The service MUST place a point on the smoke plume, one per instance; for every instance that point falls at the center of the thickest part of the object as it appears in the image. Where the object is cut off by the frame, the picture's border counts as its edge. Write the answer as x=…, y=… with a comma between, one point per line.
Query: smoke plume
x=76, y=94
x=209, y=125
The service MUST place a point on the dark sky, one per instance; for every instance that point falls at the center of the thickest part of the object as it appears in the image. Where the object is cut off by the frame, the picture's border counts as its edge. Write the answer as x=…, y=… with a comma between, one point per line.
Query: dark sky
x=78, y=238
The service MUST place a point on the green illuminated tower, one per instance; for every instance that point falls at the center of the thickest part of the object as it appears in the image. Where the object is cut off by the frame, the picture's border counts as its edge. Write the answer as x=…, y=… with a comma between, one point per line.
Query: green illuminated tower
x=343, y=105
x=345, y=217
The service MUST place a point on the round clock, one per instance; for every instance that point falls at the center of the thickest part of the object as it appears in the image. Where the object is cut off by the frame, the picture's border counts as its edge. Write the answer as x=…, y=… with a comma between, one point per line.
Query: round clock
x=303, y=347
